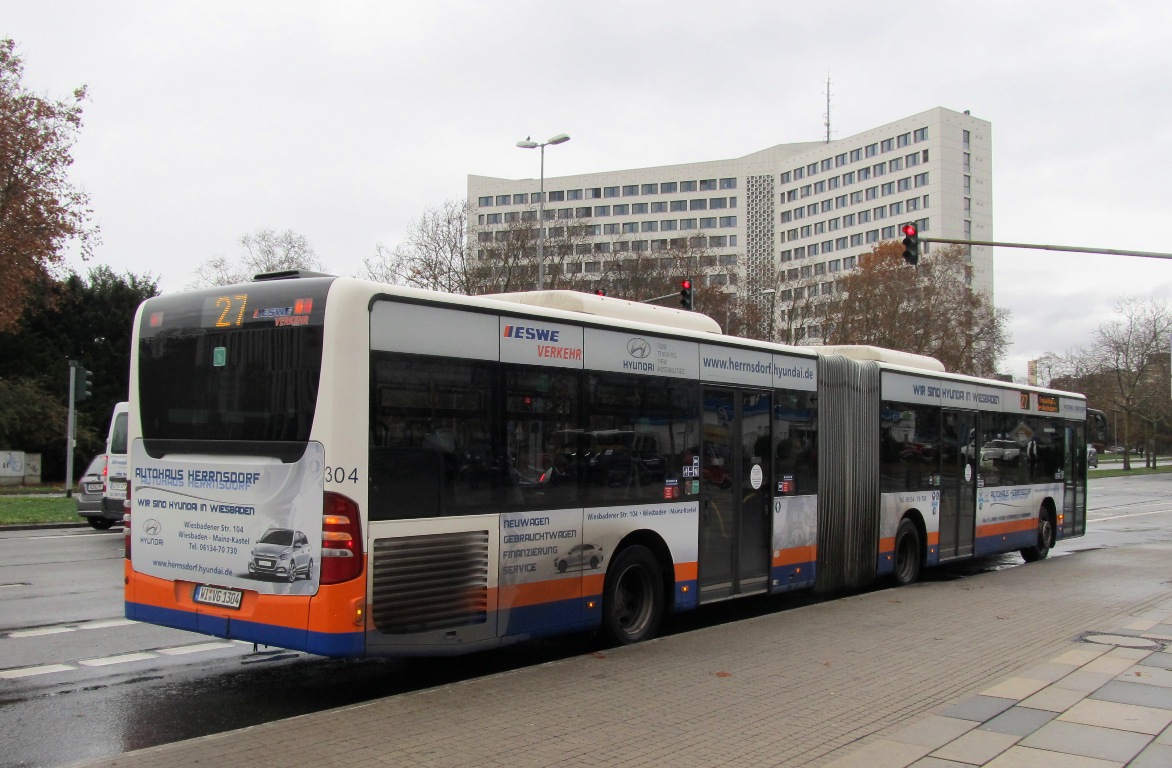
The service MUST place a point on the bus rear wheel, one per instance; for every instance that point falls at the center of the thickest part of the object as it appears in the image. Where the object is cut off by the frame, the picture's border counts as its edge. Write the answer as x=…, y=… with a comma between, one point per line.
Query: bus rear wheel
x=907, y=553
x=632, y=600
x=1045, y=540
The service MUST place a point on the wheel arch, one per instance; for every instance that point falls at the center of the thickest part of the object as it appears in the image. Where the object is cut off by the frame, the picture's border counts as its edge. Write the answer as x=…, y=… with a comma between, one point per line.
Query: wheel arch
x=662, y=552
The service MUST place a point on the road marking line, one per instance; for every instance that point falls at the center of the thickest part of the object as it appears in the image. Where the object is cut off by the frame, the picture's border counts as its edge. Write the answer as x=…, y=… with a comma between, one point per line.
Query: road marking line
x=104, y=623
x=39, y=632
x=124, y=658
x=1137, y=514
x=12, y=674
x=182, y=649
x=75, y=536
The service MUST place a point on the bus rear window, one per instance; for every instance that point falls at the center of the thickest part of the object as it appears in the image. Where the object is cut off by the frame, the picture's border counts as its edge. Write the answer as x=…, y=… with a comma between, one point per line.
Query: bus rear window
x=248, y=385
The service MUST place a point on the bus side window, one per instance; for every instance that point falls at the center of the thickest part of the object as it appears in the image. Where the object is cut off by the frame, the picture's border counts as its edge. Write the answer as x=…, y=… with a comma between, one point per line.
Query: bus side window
x=405, y=483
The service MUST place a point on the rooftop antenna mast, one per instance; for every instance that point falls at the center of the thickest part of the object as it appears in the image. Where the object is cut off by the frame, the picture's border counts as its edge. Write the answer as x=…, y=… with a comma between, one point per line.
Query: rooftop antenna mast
x=827, y=115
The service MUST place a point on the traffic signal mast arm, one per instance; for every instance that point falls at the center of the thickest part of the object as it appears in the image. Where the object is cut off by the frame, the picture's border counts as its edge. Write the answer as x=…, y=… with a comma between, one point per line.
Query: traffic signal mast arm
x=1071, y=248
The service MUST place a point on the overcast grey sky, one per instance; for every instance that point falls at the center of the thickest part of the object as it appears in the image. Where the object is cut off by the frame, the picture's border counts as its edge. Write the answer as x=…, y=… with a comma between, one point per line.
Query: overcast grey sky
x=344, y=120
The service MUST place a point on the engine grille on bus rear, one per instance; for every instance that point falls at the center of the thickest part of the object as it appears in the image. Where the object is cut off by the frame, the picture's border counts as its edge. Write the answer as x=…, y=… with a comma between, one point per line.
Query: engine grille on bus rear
x=428, y=583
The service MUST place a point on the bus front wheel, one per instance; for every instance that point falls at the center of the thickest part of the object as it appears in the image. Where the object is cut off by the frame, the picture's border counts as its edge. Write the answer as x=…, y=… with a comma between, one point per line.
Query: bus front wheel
x=632, y=600
x=907, y=553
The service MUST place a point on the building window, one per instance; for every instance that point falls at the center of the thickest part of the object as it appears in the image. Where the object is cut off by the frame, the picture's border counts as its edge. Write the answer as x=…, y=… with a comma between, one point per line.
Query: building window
x=687, y=186
x=967, y=165
x=593, y=266
x=889, y=233
x=968, y=185
x=610, y=229
x=650, y=189
x=678, y=205
x=707, y=185
x=493, y=218
x=521, y=199
x=913, y=204
x=582, y=213
x=872, y=150
x=622, y=246
x=602, y=247
x=848, y=220
x=574, y=194
x=631, y=228
x=660, y=207
x=903, y=139
x=848, y=262
x=886, y=145
x=728, y=183
x=921, y=134
x=879, y=169
x=565, y=213
x=649, y=226
x=687, y=223
x=872, y=193
x=699, y=204
x=503, y=199
x=528, y=215
x=708, y=223
x=787, y=255
x=968, y=204
x=864, y=216
x=856, y=239
x=639, y=245
x=638, y=209
x=602, y=210
x=667, y=225
x=728, y=221
x=887, y=188
x=556, y=197
x=668, y=188
x=820, y=187
x=610, y=191
x=512, y=216
x=717, y=202
x=864, y=174
x=921, y=179
x=827, y=164
x=827, y=206
x=848, y=178
x=718, y=241
x=593, y=193
x=896, y=209
x=913, y=159
x=630, y=189
x=872, y=236
x=856, y=155
x=881, y=212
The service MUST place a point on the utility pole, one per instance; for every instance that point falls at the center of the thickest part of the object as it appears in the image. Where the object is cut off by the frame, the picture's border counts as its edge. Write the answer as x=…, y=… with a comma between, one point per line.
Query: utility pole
x=1070, y=248
x=73, y=365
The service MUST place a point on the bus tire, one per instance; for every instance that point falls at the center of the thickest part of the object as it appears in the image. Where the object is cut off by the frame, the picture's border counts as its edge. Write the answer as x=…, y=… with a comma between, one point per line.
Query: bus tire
x=99, y=523
x=1045, y=539
x=908, y=553
x=632, y=599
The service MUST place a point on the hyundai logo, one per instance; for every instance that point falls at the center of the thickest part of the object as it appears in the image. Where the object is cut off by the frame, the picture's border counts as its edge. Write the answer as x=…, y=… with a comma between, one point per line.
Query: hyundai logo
x=152, y=527
x=638, y=348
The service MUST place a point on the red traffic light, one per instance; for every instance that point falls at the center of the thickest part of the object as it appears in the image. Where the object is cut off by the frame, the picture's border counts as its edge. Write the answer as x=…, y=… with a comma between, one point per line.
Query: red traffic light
x=909, y=230
x=686, y=284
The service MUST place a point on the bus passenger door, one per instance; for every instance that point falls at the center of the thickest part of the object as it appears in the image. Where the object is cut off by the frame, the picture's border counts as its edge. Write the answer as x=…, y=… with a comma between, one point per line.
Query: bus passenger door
x=960, y=462
x=1074, y=500
x=735, y=502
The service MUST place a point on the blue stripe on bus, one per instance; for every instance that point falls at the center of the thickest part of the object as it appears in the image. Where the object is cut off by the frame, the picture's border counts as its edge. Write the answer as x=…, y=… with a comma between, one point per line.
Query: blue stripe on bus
x=348, y=644
x=1005, y=542
x=550, y=618
x=792, y=576
x=687, y=595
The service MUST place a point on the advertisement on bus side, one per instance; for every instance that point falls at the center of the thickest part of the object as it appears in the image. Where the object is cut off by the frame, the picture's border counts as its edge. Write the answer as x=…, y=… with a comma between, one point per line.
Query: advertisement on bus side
x=247, y=523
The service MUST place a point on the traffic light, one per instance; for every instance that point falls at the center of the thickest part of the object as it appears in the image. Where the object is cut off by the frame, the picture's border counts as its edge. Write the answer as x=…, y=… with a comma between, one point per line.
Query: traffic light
x=85, y=384
x=911, y=243
x=686, y=293
x=599, y=291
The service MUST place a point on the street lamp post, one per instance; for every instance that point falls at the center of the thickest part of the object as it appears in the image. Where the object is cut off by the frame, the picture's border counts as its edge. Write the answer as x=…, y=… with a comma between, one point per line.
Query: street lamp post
x=525, y=143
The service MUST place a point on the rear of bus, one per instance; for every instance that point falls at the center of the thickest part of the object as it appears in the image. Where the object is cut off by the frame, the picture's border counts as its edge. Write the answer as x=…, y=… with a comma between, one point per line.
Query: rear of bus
x=230, y=531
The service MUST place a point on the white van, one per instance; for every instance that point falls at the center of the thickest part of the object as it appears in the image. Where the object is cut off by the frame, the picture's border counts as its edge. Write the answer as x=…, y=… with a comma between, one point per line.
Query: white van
x=117, y=467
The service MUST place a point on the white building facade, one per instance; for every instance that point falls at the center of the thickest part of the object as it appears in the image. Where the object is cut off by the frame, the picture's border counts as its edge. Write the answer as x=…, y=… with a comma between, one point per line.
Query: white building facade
x=805, y=209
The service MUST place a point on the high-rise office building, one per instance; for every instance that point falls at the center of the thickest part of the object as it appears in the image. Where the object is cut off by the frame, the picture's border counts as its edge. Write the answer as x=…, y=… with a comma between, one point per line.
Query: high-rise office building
x=807, y=210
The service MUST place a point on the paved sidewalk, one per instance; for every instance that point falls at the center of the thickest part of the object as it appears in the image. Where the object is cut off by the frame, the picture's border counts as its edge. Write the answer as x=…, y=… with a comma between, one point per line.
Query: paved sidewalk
x=1058, y=663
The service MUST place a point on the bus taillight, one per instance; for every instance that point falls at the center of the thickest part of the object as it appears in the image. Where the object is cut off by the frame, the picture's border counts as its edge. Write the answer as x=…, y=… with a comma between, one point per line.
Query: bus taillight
x=126, y=522
x=341, y=540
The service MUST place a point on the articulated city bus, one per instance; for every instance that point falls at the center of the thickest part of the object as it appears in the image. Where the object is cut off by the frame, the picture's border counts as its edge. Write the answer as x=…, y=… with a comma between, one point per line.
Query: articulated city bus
x=354, y=469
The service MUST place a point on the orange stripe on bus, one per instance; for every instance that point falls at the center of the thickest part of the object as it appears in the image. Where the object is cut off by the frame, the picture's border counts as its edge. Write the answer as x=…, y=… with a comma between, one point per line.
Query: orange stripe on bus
x=795, y=555
x=687, y=571
x=1001, y=529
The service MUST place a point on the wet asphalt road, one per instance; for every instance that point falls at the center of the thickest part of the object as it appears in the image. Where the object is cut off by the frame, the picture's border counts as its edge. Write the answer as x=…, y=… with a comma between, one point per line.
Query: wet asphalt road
x=114, y=686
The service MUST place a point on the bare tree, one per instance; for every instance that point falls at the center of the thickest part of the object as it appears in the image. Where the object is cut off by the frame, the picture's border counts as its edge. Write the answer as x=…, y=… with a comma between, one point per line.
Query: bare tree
x=264, y=251
x=929, y=310
x=435, y=254
x=1125, y=369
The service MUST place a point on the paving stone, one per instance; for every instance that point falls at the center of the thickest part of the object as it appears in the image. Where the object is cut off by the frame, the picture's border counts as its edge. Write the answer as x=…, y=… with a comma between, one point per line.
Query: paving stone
x=882, y=754
x=977, y=708
x=1015, y=688
x=1087, y=740
x=1054, y=699
x=1108, y=664
x=976, y=747
x=1162, y=660
x=933, y=731
x=1122, y=717
x=936, y=762
x=1019, y=721
x=1085, y=681
x=1126, y=692
x=1024, y=757
x=1155, y=756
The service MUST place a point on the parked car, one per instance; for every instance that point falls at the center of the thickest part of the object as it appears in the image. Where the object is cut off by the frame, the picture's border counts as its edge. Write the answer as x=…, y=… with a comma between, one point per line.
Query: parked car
x=282, y=553
x=1001, y=451
x=90, y=489
x=1092, y=456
